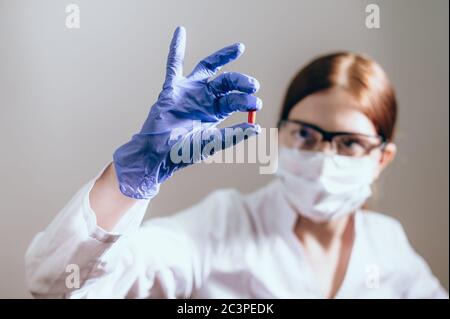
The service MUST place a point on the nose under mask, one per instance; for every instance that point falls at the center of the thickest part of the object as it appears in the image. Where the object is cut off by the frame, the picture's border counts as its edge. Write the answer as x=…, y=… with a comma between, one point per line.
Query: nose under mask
x=324, y=187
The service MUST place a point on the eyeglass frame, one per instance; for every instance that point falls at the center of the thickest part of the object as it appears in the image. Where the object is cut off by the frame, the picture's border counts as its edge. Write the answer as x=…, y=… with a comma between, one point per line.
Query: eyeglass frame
x=328, y=136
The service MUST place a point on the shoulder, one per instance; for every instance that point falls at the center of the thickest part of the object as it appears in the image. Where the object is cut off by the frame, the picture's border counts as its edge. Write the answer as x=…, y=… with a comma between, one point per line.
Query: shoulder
x=387, y=241
x=380, y=225
x=385, y=234
x=377, y=221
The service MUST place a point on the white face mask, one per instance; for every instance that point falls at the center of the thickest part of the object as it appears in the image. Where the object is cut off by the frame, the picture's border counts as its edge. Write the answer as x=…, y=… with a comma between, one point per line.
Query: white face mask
x=325, y=187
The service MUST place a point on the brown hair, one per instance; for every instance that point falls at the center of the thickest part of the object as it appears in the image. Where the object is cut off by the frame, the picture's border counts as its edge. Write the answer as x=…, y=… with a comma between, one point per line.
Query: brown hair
x=359, y=75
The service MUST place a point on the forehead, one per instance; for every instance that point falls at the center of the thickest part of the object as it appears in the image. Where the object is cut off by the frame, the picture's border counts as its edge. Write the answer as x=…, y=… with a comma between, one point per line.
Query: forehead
x=333, y=110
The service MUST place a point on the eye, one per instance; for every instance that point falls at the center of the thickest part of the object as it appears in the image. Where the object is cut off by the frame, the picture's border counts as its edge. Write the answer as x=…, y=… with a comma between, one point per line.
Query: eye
x=352, y=146
x=305, y=132
x=353, y=143
x=349, y=142
x=308, y=137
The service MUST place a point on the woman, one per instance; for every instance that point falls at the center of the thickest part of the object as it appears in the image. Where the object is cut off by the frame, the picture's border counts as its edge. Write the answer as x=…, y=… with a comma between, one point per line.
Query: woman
x=305, y=235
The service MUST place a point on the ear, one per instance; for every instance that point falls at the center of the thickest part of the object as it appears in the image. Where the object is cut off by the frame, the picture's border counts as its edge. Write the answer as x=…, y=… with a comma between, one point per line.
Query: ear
x=387, y=156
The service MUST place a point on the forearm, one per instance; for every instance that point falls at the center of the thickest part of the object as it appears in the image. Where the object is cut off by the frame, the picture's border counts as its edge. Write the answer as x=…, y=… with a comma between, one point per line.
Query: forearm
x=73, y=239
x=107, y=202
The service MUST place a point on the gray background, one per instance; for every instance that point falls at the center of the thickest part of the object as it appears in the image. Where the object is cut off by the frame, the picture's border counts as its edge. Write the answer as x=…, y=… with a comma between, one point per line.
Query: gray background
x=68, y=98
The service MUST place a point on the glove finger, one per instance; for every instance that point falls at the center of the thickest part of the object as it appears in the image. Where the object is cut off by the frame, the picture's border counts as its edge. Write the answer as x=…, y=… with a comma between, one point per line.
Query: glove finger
x=223, y=138
x=175, y=58
x=213, y=63
x=204, y=143
x=238, y=102
x=238, y=133
x=233, y=81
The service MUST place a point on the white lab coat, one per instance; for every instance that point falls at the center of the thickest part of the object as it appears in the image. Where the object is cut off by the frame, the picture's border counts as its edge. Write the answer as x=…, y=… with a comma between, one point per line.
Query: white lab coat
x=229, y=245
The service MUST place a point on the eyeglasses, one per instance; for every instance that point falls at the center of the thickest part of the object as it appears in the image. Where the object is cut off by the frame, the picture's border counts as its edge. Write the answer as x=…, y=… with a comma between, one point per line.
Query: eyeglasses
x=310, y=137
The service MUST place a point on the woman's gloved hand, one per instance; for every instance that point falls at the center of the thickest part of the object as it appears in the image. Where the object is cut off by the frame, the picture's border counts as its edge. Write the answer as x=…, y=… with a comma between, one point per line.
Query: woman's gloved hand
x=186, y=109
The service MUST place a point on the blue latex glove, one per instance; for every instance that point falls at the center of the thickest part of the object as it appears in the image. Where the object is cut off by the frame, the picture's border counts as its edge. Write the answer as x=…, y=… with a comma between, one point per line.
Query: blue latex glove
x=146, y=161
